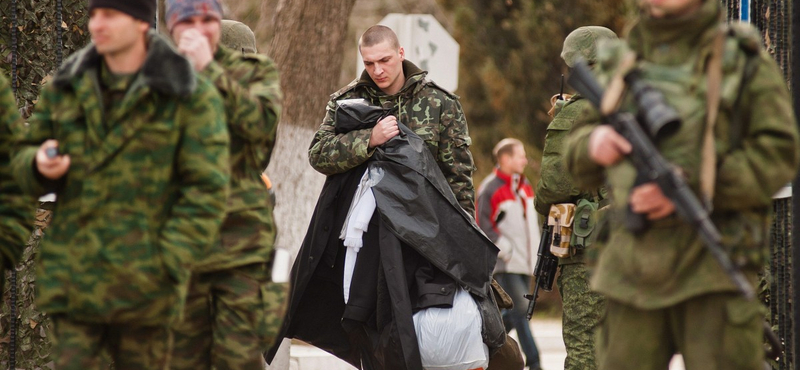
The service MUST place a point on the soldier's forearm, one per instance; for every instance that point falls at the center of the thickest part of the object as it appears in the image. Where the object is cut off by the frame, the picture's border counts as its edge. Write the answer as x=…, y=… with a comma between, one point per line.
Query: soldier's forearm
x=332, y=153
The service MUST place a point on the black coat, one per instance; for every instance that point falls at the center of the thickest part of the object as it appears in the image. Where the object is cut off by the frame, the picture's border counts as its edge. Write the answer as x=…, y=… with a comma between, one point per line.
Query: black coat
x=427, y=246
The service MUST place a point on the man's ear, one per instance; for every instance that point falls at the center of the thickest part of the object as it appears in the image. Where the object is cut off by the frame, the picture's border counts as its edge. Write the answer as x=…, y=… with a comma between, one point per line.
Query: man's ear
x=143, y=26
x=402, y=53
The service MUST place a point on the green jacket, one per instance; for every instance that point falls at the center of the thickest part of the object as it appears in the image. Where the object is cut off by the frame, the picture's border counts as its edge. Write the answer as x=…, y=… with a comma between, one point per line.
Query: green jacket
x=555, y=183
x=431, y=112
x=16, y=210
x=250, y=90
x=145, y=192
x=668, y=264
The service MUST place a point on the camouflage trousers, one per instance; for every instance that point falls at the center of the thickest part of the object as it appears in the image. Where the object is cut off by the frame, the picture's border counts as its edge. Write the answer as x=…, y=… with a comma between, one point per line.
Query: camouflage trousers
x=719, y=331
x=231, y=317
x=89, y=346
x=582, y=312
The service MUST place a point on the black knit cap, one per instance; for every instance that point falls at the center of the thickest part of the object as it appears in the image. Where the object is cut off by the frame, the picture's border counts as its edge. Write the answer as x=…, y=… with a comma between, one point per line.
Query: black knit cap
x=140, y=9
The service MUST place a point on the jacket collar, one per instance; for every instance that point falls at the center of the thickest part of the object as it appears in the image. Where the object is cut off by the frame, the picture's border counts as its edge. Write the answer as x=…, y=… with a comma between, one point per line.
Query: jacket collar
x=414, y=75
x=223, y=53
x=516, y=180
x=164, y=70
x=669, y=41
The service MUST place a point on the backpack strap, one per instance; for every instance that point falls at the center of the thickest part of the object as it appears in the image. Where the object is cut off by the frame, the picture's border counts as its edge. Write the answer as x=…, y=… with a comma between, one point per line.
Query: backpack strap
x=708, y=166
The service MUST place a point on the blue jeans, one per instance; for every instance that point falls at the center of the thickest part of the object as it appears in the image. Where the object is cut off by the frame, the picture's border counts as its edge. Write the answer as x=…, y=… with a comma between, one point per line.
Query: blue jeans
x=517, y=285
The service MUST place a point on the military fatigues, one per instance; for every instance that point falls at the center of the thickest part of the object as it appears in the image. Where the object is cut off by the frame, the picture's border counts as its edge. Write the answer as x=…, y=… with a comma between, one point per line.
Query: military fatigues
x=431, y=112
x=582, y=308
x=16, y=210
x=143, y=198
x=665, y=292
x=234, y=310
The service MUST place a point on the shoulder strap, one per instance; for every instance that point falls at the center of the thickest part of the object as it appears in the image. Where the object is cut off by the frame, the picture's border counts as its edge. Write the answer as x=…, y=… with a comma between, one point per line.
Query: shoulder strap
x=708, y=166
x=737, y=124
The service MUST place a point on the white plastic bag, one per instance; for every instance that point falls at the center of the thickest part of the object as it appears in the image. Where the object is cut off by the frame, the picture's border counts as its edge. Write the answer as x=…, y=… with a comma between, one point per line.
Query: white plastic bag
x=450, y=338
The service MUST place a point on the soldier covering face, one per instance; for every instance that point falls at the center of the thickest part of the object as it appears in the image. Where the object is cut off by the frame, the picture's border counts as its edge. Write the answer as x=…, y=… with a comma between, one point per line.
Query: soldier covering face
x=233, y=309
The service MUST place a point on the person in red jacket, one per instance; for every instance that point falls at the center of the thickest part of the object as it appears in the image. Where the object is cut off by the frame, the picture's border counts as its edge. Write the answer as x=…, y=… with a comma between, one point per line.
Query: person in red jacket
x=505, y=213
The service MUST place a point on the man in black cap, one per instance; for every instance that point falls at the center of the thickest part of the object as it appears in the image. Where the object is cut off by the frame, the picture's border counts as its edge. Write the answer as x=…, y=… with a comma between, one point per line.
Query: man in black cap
x=134, y=144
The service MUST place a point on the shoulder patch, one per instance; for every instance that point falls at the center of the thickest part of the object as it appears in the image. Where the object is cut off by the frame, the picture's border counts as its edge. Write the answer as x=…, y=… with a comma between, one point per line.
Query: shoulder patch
x=748, y=36
x=344, y=89
x=431, y=83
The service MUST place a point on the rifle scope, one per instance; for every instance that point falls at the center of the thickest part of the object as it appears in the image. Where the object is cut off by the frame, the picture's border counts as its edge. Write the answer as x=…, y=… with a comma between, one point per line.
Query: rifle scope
x=658, y=118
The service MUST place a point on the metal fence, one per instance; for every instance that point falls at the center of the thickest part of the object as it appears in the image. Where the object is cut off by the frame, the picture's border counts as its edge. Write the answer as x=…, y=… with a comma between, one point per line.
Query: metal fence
x=774, y=19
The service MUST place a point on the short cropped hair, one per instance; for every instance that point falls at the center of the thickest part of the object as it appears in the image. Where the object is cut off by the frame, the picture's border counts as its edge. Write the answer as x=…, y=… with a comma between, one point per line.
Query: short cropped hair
x=505, y=147
x=377, y=34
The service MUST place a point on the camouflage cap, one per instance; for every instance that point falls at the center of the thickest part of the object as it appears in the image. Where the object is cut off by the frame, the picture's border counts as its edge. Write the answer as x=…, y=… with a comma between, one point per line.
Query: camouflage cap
x=583, y=43
x=237, y=36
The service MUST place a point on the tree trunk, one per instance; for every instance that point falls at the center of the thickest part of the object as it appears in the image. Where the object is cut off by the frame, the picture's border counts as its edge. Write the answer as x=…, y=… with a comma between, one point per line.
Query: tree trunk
x=307, y=46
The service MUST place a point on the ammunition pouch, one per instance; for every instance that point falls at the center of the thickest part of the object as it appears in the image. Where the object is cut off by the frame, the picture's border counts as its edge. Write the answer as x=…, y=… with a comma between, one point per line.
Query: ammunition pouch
x=573, y=227
x=584, y=225
x=560, y=218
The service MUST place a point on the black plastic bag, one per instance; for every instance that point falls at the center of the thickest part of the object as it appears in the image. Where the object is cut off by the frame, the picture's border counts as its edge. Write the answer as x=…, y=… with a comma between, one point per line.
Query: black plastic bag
x=357, y=114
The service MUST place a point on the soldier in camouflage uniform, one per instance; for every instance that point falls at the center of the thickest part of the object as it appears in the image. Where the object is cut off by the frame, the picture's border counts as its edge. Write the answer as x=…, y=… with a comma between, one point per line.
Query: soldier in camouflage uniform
x=665, y=292
x=431, y=112
x=141, y=176
x=234, y=310
x=582, y=307
x=238, y=37
x=16, y=210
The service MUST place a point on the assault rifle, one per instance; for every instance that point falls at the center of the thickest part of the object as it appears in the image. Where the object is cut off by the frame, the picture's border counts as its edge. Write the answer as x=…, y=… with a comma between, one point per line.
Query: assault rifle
x=660, y=119
x=546, y=266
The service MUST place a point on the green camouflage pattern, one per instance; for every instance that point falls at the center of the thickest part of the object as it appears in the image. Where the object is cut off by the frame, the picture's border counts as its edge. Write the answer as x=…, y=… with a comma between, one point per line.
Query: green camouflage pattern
x=555, y=182
x=668, y=263
x=582, y=311
x=231, y=317
x=82, y=346
x=712, y=332
x=145, y=193
x=16, y=209
x=250, y=88
x=431, y=112
x=582, y=43
x=237, y=37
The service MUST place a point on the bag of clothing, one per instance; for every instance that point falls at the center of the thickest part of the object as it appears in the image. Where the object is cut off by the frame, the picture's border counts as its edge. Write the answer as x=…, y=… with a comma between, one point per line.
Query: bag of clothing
x=450, y=338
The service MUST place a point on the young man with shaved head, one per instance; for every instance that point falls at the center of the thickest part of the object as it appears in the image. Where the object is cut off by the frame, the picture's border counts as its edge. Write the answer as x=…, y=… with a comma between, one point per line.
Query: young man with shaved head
x=391, y=81
x=348, y=327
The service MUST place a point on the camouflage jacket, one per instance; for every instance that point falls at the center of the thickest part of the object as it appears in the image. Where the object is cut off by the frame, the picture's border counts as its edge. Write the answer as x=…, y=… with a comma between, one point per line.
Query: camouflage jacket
x=141, y=201
x=431, y=112
x=555, y=183
x=668, y=263
x=16, y=210
x=250, y=90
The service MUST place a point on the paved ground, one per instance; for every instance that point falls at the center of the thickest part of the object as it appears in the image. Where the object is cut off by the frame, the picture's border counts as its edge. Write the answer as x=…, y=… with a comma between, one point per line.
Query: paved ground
x=546, y=332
